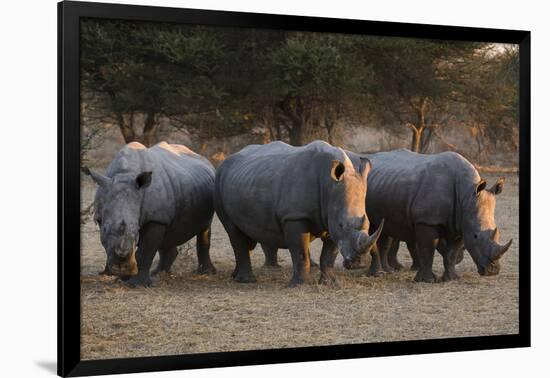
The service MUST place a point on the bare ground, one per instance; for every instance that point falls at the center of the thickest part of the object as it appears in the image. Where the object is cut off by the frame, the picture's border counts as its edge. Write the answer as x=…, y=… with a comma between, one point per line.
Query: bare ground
x=187, y=313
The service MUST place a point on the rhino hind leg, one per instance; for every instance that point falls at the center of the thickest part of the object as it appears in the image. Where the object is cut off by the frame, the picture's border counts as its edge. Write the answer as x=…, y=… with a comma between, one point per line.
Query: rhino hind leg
x=241, y=245
x=150, y=240
x=167, y=256
x=426, y=242
x=328, y=255
x=203, y=253
x=412, y=251
x=270, y=254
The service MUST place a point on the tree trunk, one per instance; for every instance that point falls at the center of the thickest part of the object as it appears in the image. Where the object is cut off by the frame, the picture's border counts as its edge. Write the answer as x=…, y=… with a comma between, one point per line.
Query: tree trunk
x=150, y=130
x=329, y=126
x=126, y=130
x=416, y=137
x=420, y=127
x=296, y=117
x=295, y=134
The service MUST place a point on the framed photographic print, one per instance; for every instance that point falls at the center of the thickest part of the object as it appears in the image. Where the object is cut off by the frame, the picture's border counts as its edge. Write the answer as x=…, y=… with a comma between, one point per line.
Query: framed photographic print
x=241, y=188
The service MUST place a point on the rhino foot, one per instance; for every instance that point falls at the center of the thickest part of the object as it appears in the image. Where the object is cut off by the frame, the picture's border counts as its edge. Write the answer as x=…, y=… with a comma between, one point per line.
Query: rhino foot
x=449, y=276
x=138, y=281
x=328, y=280
x=244, y=277
x=425, y=276
x=206, y=269
x=295, y=282
x=389, y=269
x=375, y=273
x=105, y=272
x=397, y=267
x=272, y=265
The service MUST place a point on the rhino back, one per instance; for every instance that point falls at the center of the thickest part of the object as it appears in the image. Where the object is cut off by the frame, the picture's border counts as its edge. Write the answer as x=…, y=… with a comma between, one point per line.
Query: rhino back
x=261, y=187
x=406, y=188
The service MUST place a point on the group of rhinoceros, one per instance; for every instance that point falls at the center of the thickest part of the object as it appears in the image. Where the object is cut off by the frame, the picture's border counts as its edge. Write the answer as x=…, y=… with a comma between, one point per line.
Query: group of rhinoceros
x=154, y=199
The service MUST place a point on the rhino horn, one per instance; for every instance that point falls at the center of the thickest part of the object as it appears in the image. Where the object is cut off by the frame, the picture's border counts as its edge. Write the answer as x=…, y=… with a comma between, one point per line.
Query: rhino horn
x=366, y=241
x=99, y=179
x=500, y=250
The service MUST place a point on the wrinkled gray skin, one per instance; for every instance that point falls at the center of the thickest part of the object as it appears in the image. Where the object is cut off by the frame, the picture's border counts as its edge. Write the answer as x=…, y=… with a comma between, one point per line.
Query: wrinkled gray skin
x=283, y=196
x=149, y=200
x=435, y=201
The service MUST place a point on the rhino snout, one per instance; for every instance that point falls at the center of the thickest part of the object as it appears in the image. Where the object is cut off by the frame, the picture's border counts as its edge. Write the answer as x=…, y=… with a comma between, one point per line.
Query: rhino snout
x=491, y=269
x=123, y=262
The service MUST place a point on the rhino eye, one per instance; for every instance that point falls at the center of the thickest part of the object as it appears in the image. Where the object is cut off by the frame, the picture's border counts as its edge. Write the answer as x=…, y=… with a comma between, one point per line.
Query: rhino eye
x=475, y=236
x=340, y=225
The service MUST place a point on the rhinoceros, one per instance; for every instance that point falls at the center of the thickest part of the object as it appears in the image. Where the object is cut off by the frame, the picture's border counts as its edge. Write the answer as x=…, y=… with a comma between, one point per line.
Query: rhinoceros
x=435, y=201
x=149, y=200
x=283, y=196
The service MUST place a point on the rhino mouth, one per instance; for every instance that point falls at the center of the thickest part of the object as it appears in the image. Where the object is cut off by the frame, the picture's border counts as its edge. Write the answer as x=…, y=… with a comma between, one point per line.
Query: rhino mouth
x=124, y=266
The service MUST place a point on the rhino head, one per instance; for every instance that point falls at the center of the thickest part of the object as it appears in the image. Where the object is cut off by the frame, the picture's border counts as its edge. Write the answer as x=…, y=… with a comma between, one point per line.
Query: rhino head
x=118, y=217
x=348, y=223
x=481, y=236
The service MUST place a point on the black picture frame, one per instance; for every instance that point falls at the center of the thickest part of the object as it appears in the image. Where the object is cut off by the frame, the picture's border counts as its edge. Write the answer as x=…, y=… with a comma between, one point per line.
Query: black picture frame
x=69, y=362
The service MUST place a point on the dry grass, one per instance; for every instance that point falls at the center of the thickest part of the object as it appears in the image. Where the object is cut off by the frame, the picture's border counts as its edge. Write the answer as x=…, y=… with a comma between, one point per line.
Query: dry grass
x=187, y=313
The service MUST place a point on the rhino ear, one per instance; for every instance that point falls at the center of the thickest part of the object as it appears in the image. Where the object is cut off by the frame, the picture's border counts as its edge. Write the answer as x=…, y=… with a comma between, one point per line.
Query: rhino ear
x=143, y=180
x=480, y=186
x=337, y=170
x=497, y=188
x=365, y=167
x=99, y=179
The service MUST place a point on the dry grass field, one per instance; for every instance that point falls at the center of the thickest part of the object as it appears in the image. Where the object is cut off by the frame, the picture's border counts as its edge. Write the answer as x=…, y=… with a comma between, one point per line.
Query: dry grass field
x=186, y=313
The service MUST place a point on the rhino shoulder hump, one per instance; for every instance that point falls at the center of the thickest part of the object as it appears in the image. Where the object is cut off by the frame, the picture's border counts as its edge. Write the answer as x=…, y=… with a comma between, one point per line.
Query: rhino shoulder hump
x=135, y=146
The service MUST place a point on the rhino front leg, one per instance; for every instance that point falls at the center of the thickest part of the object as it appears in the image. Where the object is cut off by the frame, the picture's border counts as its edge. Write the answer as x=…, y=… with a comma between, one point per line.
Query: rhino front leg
x=375, y=268
x=384, y=243
x=297, y=238
x=426, y=242
x=270, y=254
x=460, y=255
x=203, y=253
x=150, y=240
x=106, y=271
x=392, y=255
x=450, y=253
x=166, y=259
x=328, y=255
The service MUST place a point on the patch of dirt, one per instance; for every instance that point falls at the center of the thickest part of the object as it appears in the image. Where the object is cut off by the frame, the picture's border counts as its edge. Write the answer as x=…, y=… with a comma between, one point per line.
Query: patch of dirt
x=187, y=313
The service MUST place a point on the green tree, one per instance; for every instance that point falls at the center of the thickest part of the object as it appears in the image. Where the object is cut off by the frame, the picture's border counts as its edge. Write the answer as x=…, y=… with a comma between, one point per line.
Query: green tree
x=313, y=79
